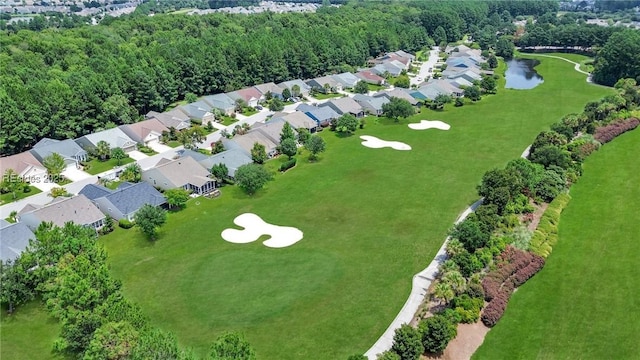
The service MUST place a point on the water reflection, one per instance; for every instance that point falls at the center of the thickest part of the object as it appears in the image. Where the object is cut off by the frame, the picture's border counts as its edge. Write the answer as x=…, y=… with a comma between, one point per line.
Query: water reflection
x=521, y=74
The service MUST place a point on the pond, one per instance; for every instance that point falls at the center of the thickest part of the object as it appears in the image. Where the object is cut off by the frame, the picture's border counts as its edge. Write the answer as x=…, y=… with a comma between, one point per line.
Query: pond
x=521, y=74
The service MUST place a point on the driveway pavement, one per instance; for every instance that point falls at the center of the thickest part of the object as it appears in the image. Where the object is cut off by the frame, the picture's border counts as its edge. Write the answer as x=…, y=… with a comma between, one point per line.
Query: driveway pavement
x=159, y=148
x=137, y=155
x=74, y=174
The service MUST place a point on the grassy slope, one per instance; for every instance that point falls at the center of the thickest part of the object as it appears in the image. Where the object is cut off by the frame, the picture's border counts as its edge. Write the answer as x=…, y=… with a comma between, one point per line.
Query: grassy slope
x=584, y=305
x=371, y=218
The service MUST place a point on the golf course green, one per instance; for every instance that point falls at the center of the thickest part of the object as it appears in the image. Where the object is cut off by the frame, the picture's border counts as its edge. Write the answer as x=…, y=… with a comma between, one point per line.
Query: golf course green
x=371, y=219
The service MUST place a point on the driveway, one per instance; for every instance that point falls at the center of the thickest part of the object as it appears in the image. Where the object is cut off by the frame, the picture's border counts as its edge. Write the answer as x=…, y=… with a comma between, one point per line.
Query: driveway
x=159, y=148
x=137, y=155
x=74, y=174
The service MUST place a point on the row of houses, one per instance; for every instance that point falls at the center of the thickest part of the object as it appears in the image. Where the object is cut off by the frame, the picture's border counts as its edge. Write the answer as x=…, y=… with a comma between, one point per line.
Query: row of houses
x=29, y=164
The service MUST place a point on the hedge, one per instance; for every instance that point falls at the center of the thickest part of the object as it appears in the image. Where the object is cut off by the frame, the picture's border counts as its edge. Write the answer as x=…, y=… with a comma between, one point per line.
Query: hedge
x=606, y=133
x=546, y=235
x=288, y=164
x=125, y=224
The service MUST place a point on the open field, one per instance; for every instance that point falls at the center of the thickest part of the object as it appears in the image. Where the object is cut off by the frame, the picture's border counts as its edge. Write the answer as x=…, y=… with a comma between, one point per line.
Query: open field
x=583, y=304
x=371, y=219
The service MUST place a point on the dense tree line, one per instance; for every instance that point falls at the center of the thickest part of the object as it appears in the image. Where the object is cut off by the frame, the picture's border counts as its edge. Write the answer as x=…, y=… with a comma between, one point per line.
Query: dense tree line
x=618, y=58
x=66, y=83
x=566, y=35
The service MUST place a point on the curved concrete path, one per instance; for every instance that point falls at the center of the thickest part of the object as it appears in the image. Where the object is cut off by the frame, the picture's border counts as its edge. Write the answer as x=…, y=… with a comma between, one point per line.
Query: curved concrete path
x=421, y=282
x=576, y=65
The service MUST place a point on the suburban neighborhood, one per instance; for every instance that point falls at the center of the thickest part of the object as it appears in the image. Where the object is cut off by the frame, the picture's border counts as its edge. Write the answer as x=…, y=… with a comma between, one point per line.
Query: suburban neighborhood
x=190, y=169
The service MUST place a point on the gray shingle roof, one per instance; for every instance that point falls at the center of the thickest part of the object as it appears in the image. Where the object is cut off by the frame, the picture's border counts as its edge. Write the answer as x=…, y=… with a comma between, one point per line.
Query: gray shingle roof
x=93, y=191
x=14, y=239
x=131, y=198
x=77, y=209
x=233, y=159
x=67, y=148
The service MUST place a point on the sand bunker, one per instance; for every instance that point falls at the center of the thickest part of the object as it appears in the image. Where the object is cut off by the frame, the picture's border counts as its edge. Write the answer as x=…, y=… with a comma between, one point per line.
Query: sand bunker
x=430, y=124
x=254, y=227
x=375, y=143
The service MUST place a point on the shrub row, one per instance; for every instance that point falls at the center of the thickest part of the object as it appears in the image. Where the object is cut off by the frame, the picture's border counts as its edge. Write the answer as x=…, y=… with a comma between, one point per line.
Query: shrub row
x=607, y=133
x=546, y=235
x=125, y=224
x=515, y=267
x=288, y=164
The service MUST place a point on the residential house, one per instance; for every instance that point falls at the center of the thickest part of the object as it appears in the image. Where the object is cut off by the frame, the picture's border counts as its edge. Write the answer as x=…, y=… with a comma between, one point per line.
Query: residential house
x=460, y=82
x=275, y=90
x=345, y=105
x=14, y=239
x=468, y=75
x=346, y=79
x=231, y=158
x=393, y=68
x=370, y=104
x=145, y=132
x=456, y=48
x=298, y=120
x=321, y=115
x=114, y=137
x=77, y=209
x=440, y=86
x=399, y=93
x=125, y=201
x=183, y=173
x=245, y=143
x=172, y=119
x=199, y=112
x=271, y=129
x=460, y=62
x=325, y=84
x=70, y=151
x=370, y=78
x=26, y=166
x=302, y=86
x=251, y=96
x=221, y=102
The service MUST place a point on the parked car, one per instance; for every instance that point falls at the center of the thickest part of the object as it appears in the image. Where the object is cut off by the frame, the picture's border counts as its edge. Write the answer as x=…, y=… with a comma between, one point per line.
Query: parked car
x=259, y=107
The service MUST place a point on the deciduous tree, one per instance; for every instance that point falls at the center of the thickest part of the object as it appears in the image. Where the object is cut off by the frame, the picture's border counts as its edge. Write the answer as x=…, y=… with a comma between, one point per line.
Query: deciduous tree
x=177, y=197
x=258, y=153
x=347, y=124
x=437, y=331
x=288, y=147
x=398, y=108
x=232, y=345
x=407, y=343
x=315, y=145
x=252, y=177
x=361, y=87
x=149, y=218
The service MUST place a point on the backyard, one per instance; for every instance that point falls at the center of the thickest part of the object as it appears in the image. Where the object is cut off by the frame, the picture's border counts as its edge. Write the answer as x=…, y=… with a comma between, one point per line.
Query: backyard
x=371, y=219
x=583, y=304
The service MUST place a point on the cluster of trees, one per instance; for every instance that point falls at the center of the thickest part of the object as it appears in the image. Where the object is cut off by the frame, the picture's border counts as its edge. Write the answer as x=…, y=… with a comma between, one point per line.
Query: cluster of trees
x=618, y=58
x=565, y=35
x=62, y=83
x=68, y=270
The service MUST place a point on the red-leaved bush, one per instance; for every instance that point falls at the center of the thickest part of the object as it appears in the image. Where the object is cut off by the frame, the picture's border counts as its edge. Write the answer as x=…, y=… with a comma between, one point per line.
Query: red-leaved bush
x=607, y=133
x=515, y=267
x=494, y=310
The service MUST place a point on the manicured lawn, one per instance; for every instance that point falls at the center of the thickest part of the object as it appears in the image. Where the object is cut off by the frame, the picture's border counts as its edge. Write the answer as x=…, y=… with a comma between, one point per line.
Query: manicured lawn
x=8, y=197
x=28, y=333
x=113, y=184
x=173, y=144
x=248, y=111
x=584, y=303
x=371, y=219
x=227, y=120
x=373, y=87
x=321, y=96
x=96, y=166
x=586, y=62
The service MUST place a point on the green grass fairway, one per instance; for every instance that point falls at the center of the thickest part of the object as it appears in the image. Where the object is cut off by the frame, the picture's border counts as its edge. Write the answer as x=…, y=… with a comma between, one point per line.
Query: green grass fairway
x=584, y=303
x=28, y=334
x=371, y=219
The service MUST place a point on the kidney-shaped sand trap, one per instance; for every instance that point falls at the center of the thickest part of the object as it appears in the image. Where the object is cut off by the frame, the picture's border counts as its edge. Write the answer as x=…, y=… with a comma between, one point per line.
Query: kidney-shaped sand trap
x=375, y=143
x=430, y=124
x=254, y=227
